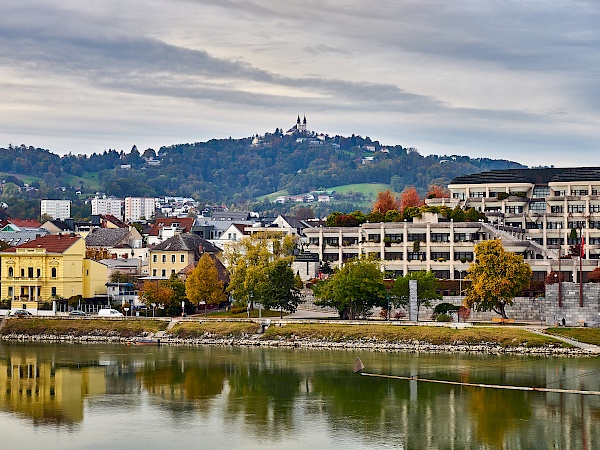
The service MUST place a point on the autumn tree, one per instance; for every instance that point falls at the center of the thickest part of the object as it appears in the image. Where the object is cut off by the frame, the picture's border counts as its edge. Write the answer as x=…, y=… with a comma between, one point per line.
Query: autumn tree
x=497, y=276
x=410, y=197
x=280, y=289
x=385, y=202
x=436, y=191
x=156, y=295
x=427, y=285
x=354, y=289
x=203, y=284
x=249, y=260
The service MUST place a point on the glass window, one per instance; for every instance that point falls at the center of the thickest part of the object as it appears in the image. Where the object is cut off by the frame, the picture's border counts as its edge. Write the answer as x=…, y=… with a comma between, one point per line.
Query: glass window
x=541, y=192
x=537, y=207
x=163, y=272
x=183, y=258
x=172, y=258
x=11, y=272
x=53, y=272
x=164, y=258
x=154, y=258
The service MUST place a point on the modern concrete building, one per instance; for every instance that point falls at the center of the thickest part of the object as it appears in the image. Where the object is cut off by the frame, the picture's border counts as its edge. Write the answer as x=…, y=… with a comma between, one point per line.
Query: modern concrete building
x=107, y=206
x=541, y=214
x=137, y=208
x=56, y=209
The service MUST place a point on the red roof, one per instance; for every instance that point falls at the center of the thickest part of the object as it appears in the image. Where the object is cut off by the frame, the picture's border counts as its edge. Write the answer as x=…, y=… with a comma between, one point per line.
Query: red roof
x=25, y=223
x=53, y=243
x=186, y=223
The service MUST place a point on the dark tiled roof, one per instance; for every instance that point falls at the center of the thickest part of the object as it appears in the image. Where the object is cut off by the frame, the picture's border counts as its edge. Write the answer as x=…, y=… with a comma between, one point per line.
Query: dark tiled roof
x=534, y=176
x=186, y=242
x=106, y=237
x=53, y=243
x=230, y=215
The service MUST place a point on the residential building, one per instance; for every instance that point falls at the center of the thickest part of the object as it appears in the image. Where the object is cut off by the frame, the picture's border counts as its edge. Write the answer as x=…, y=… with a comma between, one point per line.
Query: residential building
x=107, y=206
x=56, y=209
x=164, y=228
x=176, y=253
x=137, y=208
x=49, y=268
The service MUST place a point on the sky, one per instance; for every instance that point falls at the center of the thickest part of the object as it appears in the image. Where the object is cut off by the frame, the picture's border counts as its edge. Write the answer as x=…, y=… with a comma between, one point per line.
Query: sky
x=517, y=80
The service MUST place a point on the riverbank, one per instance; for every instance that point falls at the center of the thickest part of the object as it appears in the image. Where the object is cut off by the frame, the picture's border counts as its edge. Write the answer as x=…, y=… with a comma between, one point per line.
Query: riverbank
x=478, y=339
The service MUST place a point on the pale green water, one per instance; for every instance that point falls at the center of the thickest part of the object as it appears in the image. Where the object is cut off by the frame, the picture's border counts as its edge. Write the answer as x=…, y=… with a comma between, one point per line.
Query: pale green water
x=75, y=396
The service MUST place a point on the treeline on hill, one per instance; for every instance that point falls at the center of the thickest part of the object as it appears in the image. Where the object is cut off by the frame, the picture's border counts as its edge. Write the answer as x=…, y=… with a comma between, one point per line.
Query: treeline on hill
x=232, y=171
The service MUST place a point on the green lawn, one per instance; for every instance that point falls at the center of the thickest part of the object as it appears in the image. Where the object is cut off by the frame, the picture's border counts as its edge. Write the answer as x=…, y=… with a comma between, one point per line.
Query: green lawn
x=586, y=335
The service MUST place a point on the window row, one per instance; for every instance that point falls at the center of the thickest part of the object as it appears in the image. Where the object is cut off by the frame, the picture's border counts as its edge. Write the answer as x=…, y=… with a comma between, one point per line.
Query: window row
x=173, y=258
x=30, y=272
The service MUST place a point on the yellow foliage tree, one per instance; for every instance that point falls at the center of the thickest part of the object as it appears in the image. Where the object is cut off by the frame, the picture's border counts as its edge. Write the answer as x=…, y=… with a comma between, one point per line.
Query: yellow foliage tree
x=497, y=276
x=248, y=261
x=203, y=284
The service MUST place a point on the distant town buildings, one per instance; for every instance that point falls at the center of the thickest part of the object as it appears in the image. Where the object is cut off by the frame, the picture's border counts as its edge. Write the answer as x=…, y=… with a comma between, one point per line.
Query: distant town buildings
x=56, y=209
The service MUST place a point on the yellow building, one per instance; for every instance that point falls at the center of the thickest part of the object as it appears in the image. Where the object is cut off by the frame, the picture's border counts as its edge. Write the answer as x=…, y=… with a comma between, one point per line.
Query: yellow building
x=177, y=253
x=47, y=268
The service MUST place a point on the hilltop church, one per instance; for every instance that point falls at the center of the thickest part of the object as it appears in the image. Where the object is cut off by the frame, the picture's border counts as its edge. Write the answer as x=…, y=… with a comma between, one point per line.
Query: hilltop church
x=300, y=127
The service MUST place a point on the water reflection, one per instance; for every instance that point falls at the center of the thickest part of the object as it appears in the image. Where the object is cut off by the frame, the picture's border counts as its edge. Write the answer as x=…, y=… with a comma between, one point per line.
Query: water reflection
x=302, y=397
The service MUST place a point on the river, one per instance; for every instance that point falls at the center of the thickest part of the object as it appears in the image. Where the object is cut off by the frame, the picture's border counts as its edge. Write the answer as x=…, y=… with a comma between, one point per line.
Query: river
x=117, y=396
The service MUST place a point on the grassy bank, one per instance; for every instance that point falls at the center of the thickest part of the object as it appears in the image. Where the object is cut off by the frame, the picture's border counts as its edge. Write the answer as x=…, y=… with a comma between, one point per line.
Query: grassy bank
x=586, y=335
x=329, y=332
x=187, y=330
x=506, y=337
x=81, y=327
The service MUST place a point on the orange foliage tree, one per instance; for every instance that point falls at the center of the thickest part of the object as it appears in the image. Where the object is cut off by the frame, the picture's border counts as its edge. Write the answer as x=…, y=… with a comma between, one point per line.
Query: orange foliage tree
x=410, y=197
x=385, y=202
x=436, y=191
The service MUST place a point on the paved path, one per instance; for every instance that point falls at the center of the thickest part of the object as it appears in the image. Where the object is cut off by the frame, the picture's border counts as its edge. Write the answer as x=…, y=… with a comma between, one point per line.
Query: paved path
x=588, y=347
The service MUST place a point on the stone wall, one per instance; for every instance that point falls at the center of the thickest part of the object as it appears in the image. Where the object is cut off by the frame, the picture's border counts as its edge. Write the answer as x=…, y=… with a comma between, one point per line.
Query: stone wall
x=570, y=310
x=524, y=309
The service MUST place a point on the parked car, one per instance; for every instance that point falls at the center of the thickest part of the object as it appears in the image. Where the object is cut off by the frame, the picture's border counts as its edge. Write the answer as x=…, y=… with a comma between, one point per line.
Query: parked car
x=78, y=312
x=109, y=313
x=22, y=313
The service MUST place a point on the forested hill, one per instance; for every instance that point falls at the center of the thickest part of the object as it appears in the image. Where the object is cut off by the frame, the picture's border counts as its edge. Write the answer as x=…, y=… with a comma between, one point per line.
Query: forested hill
x=239, y=170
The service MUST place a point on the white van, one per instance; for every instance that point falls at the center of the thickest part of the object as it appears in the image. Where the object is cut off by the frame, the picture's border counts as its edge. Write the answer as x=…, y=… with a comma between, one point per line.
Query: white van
x=109, y=313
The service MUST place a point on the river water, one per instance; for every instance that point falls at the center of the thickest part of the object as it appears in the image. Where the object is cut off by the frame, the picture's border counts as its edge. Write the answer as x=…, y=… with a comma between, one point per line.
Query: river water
x=117, y=396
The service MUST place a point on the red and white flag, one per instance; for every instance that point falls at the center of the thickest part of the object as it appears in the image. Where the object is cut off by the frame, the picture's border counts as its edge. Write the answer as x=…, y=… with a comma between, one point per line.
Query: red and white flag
x=582, y=246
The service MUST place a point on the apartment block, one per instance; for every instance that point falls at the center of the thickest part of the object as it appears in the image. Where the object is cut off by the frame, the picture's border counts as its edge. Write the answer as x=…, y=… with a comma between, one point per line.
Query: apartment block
x=107, y=206
x=137, y=208
x=56, y=209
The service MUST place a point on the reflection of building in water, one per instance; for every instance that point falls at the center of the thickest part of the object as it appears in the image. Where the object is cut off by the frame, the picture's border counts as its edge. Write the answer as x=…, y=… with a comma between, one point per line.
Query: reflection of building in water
x=46, y=392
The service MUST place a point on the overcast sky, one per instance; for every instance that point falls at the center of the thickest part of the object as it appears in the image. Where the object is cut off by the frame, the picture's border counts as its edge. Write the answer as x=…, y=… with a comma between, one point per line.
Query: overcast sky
x=518, y=80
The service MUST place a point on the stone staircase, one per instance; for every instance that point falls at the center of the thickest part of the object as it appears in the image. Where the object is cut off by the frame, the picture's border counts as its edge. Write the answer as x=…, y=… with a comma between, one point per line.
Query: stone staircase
x=508, y=237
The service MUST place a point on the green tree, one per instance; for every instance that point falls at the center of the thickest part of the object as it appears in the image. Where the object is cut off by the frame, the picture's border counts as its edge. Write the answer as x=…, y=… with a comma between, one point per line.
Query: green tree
x=203, y=284
x=427, y=285
x=497, y=276
x=280, y=289
x=354, y=289
x=249, y=259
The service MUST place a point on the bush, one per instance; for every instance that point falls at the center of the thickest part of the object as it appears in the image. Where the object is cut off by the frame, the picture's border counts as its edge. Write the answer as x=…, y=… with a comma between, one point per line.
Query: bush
x=445, y=308
x=237, y=309
x=443, y=318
